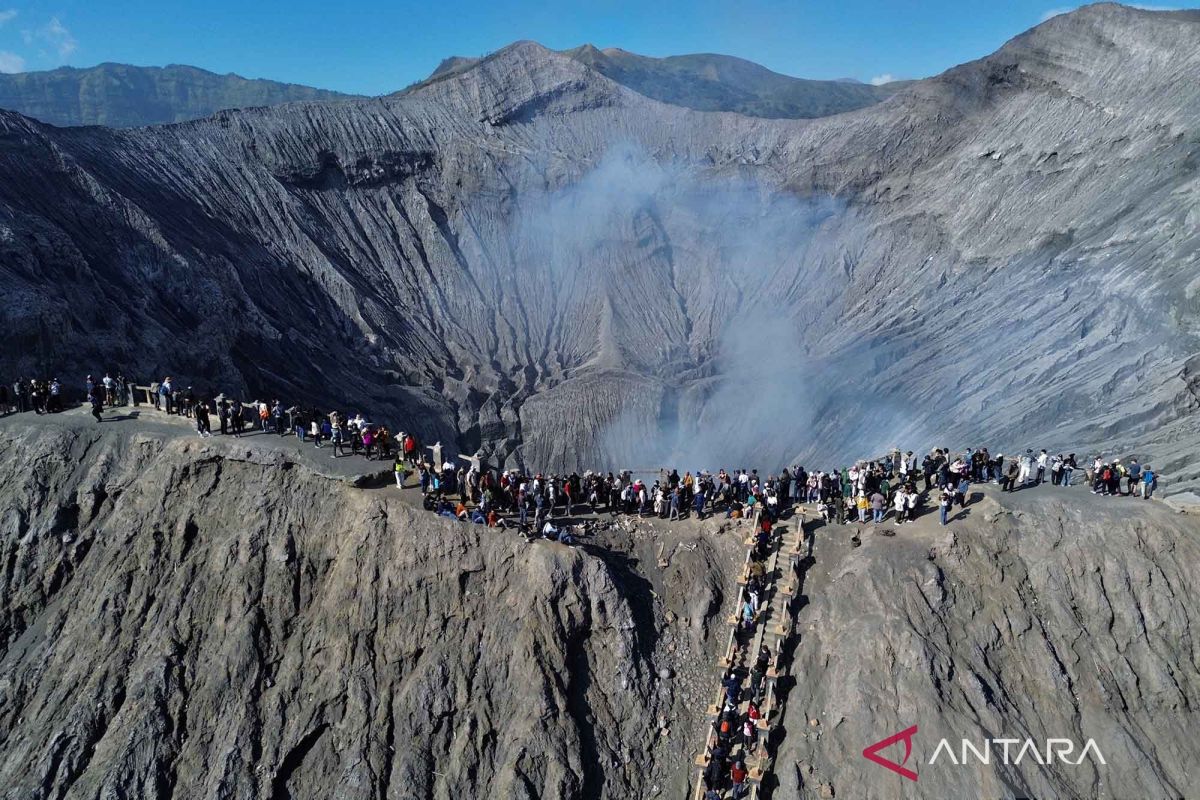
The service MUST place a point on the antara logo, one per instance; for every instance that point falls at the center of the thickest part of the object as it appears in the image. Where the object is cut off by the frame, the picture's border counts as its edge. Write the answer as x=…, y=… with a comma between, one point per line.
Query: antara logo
x=1008, y=751
x=872, y=752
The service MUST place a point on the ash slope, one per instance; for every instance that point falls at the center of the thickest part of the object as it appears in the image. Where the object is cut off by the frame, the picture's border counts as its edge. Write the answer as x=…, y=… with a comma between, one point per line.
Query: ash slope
x=223, y=620
x=1044, y=614
x=533, y=259
x=217, y=620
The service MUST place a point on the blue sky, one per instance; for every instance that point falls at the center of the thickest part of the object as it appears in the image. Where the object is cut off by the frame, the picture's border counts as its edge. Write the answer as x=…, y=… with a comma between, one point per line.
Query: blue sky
x=374, y=48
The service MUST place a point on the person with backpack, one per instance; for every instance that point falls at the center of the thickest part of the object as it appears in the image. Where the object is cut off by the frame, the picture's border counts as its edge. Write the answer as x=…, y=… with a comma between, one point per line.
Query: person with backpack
x=1114, y=477
x=1149, y=482
x=945, y=501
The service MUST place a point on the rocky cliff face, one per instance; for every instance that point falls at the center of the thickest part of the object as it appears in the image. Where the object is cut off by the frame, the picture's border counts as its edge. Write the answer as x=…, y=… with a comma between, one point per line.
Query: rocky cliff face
x=184, y=618
x=529, y=258
x=214, y=620
x=1032, y=616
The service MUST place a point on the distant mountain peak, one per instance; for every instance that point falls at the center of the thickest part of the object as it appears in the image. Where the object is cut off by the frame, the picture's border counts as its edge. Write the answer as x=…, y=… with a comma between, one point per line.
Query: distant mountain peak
x=717, y=82
x=124, y=95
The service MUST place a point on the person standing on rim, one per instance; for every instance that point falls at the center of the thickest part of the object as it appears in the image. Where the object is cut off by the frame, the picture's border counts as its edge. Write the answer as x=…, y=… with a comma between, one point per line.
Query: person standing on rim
x=96, y=403
x=1067, y=468
x=21, y=396
x=203, y=427
x=1149, y=479
x=1133, y=477
x=1026, y=466
x=166, y=391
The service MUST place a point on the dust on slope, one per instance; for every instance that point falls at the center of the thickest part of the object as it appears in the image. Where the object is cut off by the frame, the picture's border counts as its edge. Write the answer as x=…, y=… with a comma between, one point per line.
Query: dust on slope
x=208, y=618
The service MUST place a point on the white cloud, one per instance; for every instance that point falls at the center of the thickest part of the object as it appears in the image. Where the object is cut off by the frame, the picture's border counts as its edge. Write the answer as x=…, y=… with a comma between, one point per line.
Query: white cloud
x=11, y=62
x=880, y=80
x=60, y=38
x=7, y=16
x=52, y=40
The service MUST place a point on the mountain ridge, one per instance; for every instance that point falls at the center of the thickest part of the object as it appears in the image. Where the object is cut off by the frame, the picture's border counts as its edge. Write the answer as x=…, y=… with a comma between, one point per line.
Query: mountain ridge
x=124, y=95
x=414, y=230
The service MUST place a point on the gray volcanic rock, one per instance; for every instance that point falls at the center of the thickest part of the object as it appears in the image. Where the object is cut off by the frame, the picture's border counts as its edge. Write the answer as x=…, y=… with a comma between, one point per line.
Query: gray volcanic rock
x=122, y=95
x=527, y=257
x=199, y=618
x=184, y=617
x=1034, y=616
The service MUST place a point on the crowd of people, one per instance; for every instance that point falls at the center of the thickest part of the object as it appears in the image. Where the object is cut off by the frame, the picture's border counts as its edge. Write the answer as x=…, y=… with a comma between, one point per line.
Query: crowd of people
x=735, y=731
x=871, y=491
